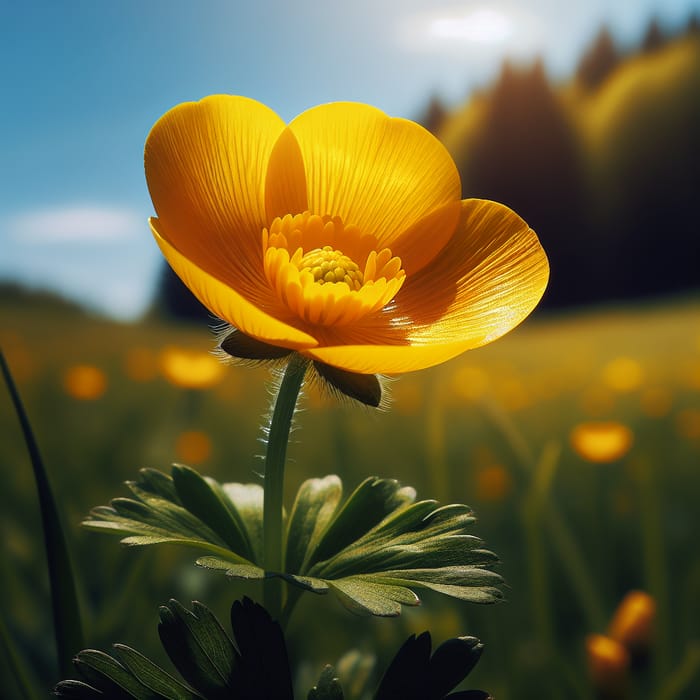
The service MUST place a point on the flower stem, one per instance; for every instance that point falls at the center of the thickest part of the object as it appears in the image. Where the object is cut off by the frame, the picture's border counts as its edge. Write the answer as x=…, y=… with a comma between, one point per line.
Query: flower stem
x=275, y=457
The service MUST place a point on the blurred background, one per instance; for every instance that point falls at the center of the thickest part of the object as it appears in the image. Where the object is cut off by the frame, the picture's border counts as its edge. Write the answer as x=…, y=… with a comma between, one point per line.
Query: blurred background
x=576, y=438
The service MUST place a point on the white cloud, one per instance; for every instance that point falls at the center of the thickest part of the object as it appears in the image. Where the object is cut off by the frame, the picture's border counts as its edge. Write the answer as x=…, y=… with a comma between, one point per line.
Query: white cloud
x=472, y=28
x=75, y=223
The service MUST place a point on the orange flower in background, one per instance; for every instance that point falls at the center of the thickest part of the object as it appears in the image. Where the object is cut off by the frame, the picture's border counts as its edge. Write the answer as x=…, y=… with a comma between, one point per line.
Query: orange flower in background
x=84, y=382
x=493, y=483
x=190, y=369
x=601, y=441
x=633, y=622
x=608, y=666
x=193, y=447
x=341, y=236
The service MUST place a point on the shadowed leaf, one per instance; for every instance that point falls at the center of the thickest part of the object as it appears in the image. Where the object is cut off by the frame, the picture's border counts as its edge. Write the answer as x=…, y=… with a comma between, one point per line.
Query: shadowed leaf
x=214, y=668
x=370, y=551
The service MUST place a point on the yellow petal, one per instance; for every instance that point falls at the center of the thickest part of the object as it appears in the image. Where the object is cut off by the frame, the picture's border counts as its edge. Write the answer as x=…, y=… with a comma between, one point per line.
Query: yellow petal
x=417, y=246
x=487, y=279
x=386, y=359
x=285, y=183
x=229, y=305
x=205, y=167
x=378, y=173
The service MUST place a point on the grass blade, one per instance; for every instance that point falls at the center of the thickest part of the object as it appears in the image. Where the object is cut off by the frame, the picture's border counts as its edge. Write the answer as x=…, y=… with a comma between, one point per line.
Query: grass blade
x=64, y=599
x=15, y=663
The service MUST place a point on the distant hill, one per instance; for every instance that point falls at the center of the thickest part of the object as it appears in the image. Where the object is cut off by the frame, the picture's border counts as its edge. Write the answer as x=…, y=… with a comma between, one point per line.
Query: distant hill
x=19, y=297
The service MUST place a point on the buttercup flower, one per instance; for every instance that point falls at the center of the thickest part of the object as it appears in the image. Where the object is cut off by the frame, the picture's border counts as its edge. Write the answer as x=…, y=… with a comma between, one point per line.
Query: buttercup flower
x=341, y=235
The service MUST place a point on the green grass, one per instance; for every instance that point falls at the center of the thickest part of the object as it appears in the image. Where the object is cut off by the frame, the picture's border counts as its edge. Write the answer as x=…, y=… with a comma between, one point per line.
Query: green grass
x=490, y=429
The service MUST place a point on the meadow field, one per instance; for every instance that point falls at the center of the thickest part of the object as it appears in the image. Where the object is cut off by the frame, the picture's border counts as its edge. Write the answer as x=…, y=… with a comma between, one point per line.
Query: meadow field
x=576, y=439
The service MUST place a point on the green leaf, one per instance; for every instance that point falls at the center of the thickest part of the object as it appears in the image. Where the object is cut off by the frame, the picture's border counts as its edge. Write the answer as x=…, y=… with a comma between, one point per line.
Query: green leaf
x=313, y=509
x=370, y=503
x=366, y=597
x=247, y=572
x=187, y=509
x=399, y=545
x=415, y=675
x=370, y=551
x=64, y=598
x=247, y=501
x=152, y=676
x=328, y=686
x=198, y=646
x=213, y=666
x=261, y=644
x=107, y=675
x=205, y=500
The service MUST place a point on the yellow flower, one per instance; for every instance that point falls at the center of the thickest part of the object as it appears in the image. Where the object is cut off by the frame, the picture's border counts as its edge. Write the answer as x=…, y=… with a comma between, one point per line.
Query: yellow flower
x=341, y=236
x=601, y=441
x=190, y=369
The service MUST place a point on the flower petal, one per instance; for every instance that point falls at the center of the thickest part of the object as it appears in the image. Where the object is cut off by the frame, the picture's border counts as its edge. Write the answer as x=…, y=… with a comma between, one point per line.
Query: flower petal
x=285, y=183
x=205, y=167
x=487, y=279
x=378, y=173
x=226, y=303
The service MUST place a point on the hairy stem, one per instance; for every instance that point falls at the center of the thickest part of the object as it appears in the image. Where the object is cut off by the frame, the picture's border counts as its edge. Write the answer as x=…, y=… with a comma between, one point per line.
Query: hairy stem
x=275, y=457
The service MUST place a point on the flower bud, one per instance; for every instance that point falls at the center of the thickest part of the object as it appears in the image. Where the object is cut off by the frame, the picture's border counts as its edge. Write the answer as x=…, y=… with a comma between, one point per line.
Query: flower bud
x=608, y=667
x=633, y=624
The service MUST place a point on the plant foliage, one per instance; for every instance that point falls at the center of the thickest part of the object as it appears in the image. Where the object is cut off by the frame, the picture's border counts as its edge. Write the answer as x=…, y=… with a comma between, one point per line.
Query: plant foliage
x=370, y=550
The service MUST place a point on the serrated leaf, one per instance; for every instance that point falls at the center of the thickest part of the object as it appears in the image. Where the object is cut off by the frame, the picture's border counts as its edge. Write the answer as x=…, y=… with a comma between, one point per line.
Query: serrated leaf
x=77, y=690
x=157, y=483
x=368, y=505
x=247, y=500
x=224, y=520
x=366, y=597
x=206, y=500
x=260, y=642
x=152, y=676
x=407, y=675
x=199, y=648
x=107, y=675
x=403, y=545
x=452, y=662
x=313, y=509
x=328, y=686
x=242, y=571
x=370, y=551
x=414, y=675
x=309, y=583
x=255, y=667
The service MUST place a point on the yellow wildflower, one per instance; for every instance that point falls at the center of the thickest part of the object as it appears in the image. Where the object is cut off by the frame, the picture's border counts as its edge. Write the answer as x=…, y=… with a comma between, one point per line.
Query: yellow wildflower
x=341, y=236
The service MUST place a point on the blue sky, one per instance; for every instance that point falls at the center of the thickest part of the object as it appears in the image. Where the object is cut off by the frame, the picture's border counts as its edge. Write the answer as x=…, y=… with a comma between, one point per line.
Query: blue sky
x=84, y=80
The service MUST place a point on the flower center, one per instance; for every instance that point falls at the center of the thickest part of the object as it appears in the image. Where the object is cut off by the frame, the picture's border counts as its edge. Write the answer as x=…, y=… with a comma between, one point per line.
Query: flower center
x=326, y=272
x=328, y=265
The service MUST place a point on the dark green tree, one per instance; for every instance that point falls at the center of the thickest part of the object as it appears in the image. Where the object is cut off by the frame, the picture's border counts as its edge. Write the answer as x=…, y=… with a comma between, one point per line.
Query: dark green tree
x=599, y=61
x=527, y=158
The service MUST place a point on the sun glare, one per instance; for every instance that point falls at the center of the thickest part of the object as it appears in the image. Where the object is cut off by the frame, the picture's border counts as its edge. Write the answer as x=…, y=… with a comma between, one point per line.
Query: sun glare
x=494, y=26
x=481, y=25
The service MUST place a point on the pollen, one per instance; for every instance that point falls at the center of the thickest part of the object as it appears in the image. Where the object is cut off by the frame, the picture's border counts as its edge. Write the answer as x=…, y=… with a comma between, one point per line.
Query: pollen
x=327, y=272
x=330, y=266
